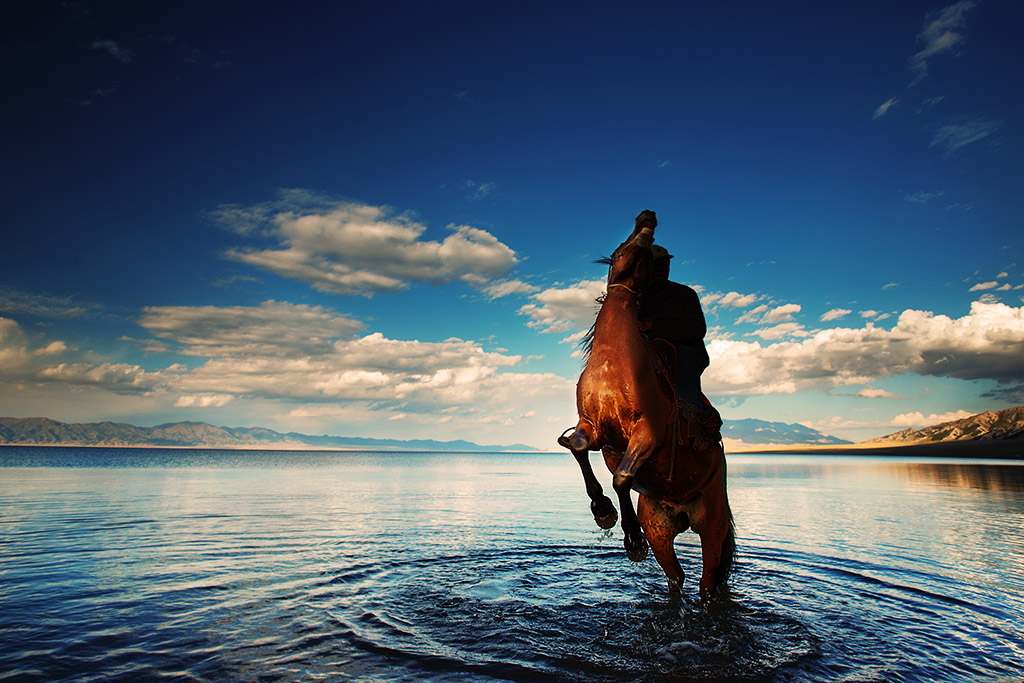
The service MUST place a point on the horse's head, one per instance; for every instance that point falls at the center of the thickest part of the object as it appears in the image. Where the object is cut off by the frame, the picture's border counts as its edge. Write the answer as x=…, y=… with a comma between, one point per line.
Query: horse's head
x=630, y=264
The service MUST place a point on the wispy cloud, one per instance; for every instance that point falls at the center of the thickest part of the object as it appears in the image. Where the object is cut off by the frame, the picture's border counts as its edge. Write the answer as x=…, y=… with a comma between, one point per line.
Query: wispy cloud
x=476, y=191
x=952, y=137
x=835, y=314
x=502, y=288
x=884, y=107
x=922, y=197
x=114, y=49
x=273, y=328
x=43, y=305
x=941, y=34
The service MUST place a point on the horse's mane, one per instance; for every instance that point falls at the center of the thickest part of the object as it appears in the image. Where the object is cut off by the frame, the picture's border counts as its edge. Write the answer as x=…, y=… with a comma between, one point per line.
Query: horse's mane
x=587, y=342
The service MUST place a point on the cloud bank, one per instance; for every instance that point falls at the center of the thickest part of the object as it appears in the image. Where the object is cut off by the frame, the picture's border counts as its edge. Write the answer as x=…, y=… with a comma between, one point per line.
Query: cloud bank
x=356, y=249
x=988, y=343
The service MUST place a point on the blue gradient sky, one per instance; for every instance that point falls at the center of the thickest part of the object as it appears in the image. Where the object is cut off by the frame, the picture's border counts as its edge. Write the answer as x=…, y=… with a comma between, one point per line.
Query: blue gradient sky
x=380, y=218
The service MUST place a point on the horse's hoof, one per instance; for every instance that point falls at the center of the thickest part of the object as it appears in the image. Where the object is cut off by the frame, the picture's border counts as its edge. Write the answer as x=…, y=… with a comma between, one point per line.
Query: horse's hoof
x=605, y=513
x=636, y=551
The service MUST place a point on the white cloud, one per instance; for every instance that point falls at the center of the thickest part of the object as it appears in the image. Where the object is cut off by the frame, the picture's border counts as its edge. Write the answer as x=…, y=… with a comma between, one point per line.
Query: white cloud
x=561, y=309
x=835, y=314
x=730, y=299
x=204, y=401
x=982, y=286
x=869, y=314
x=988, y=343
x=14, y=352
x=920, y=421
x=884, y=107
x=871, y=392
x=118, y=377
x=753, y=315
x=940, y=35
x=292, y=352
x=782, y=330
x=348, y=248
x=781, y=313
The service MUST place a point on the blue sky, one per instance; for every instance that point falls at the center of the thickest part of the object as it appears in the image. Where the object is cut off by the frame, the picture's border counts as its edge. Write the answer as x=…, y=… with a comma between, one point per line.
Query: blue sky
x=380, y=218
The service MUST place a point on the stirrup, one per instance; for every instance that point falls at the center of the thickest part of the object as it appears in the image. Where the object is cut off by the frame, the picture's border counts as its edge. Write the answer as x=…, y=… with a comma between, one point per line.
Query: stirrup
x=563, y=440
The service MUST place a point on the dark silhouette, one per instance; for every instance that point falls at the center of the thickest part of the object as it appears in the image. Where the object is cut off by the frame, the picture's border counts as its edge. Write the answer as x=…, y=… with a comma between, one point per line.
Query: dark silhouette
x=671, y=312
x=649, y=440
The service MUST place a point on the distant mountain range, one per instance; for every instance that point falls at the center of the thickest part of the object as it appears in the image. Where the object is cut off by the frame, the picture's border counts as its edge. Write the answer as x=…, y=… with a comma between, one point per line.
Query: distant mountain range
x=988, y=426
x=44, y=431
x=38, y=431
x=762, y=433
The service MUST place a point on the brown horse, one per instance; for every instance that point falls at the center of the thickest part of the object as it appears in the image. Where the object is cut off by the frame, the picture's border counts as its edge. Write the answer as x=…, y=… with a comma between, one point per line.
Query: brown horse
x=642, y=431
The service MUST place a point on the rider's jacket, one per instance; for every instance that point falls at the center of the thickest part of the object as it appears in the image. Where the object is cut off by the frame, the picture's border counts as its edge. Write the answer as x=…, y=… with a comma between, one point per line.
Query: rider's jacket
x=676, y=316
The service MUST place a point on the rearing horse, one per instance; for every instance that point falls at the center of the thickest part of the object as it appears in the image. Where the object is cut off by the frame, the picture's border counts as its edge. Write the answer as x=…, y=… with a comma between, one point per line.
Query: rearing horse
x=625, y=413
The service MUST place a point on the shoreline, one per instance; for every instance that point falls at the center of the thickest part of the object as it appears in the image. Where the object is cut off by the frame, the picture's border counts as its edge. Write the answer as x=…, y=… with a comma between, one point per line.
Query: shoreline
x=1011, y=449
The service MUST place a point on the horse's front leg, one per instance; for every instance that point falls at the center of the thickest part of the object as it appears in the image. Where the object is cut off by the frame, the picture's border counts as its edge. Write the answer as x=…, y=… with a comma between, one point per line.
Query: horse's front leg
x=641, y=444
x=600, y=505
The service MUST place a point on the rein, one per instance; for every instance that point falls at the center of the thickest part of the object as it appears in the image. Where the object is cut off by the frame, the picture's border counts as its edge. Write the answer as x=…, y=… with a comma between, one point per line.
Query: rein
x=625, y=287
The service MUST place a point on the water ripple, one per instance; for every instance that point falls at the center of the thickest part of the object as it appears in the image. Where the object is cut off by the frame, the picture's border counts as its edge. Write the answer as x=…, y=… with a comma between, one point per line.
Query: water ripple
x=336, y=573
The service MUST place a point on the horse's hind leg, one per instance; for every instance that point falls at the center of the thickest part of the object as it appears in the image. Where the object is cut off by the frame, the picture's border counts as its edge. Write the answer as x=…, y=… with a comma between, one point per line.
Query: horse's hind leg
x=661, y=524
x=637, y=452
x=712, y=520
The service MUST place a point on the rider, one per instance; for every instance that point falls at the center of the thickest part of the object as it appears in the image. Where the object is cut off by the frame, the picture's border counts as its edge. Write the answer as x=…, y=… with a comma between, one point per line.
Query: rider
x=671, y=311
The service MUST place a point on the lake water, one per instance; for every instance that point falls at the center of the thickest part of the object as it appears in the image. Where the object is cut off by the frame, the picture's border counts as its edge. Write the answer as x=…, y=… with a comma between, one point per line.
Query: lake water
x=138, y=564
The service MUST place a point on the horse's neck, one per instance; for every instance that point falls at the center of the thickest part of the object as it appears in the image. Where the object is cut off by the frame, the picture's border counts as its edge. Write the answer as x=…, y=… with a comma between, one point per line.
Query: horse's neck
x=615, y=327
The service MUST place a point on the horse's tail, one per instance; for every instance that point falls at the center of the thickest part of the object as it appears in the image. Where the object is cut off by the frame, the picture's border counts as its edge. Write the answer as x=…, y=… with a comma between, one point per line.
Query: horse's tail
x=728, y=552
x=729, y=542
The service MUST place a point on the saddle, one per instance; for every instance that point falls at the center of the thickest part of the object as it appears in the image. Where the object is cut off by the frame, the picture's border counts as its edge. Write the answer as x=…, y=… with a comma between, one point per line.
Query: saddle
x=702, y=425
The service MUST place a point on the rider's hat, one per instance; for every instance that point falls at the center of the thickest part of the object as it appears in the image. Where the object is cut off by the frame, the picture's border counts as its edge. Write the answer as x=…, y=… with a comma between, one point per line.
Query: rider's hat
x=659, y=252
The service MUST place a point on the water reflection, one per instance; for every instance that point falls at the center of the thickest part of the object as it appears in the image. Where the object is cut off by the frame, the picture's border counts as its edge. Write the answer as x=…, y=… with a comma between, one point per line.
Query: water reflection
x=411, y=567
x=981, y=477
